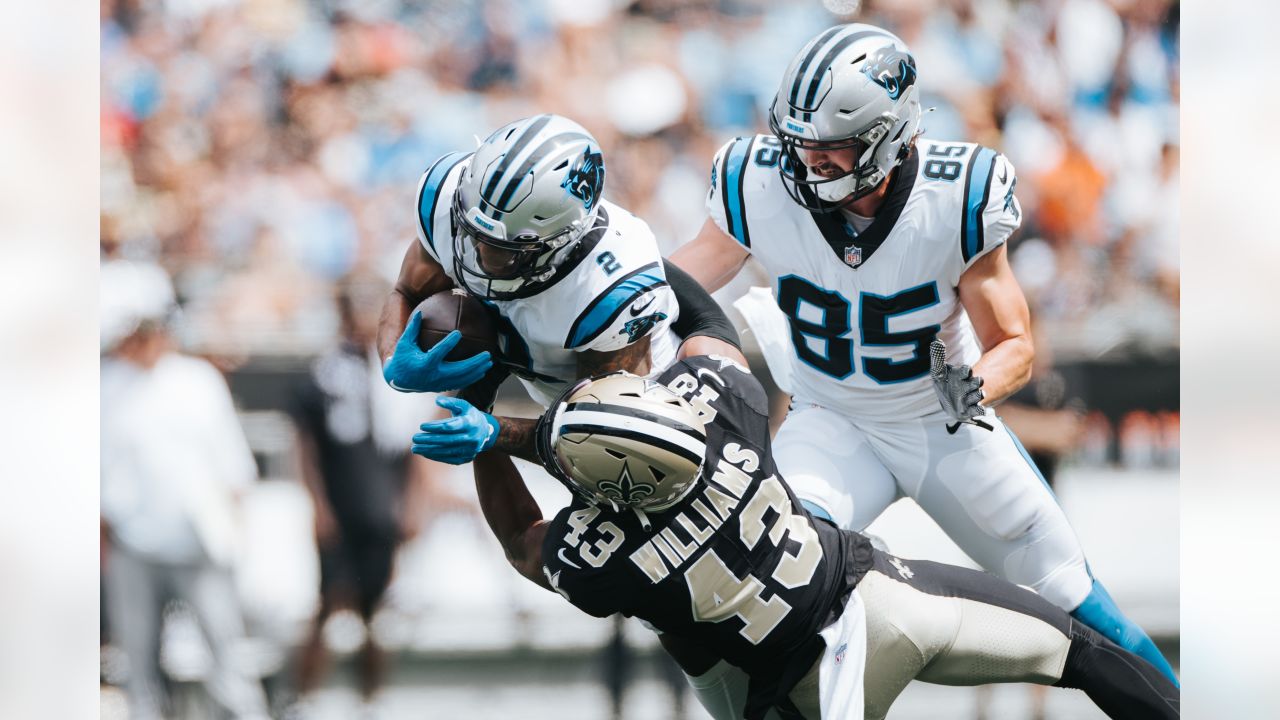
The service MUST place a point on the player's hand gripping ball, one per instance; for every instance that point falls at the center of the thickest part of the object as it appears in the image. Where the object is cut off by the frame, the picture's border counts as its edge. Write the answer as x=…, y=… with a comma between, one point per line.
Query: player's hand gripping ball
x=448, y=344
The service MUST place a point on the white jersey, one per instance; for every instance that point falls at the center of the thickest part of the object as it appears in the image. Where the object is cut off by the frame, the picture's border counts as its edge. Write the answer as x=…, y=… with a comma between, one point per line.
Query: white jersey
x=863, y=307
x=608, y=295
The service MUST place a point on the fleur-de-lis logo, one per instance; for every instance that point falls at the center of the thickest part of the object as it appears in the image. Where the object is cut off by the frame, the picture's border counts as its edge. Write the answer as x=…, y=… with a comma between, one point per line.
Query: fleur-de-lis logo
x=626, y=490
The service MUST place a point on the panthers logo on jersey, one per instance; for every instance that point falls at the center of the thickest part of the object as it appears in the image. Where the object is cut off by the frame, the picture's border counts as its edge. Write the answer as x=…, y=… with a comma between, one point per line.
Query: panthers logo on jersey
x=639, y=327
x=586, y=178
x=891, y=69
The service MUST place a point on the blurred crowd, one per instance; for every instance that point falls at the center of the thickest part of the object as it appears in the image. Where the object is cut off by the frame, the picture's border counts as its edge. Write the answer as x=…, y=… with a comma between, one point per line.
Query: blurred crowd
x=265, y=155
x=260, y=150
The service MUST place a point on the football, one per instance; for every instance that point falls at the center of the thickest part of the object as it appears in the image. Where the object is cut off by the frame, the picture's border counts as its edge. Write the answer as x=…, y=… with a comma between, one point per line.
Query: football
x=451, y=310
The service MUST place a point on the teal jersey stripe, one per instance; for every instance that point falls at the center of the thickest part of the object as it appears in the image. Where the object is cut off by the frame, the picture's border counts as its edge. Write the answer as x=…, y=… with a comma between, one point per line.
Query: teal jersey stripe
x=735, y=171
x=602, y=311
x=976, y=193
x=429, y=198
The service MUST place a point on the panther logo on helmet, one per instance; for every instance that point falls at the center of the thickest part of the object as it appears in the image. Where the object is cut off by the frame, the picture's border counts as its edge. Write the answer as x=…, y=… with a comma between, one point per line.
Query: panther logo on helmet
x=625, y=490
x=891, y=69
x=586, y=178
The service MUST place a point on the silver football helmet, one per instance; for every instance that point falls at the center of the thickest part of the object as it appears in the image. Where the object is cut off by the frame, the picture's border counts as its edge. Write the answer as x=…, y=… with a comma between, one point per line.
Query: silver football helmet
x=627, y=442
x=852, y=87
x=524, y=200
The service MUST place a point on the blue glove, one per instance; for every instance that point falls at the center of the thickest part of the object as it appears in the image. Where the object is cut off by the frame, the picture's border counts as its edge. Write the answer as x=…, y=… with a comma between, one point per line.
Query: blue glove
x=456, y=440
x=412, y=370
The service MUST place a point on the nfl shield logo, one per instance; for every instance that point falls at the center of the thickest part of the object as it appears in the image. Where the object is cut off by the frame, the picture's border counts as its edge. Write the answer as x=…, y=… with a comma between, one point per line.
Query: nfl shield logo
x=852, y=255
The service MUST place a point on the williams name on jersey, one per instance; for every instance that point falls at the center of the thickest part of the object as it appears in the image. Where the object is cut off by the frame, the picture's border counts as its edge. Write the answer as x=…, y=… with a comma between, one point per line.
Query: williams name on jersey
x=737, y=566
x=863, y=306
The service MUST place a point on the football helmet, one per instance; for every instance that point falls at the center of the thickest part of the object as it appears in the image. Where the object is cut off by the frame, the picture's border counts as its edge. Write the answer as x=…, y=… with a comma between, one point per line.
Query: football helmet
x=627, y=442
x=524, y=200
x=852, y=87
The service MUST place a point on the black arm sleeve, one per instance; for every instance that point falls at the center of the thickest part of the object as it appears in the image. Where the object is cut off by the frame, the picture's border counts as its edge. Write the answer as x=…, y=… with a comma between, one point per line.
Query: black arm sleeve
x=699, y=314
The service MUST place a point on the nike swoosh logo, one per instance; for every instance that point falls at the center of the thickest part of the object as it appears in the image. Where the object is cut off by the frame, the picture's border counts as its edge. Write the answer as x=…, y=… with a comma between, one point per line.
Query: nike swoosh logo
x=394, y=386
x=566, y=560
x=703, y=372
x=1004, y=173
x=637, y=310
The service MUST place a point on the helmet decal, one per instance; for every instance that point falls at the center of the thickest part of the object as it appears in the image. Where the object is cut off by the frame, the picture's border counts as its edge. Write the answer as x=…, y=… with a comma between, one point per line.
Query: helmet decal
x=891, y=69
x=625, y=490
x=586, y=178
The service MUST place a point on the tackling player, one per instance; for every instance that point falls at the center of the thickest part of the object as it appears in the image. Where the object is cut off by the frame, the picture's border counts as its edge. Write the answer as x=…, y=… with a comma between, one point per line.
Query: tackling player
x=680, y=518
x=885, y=248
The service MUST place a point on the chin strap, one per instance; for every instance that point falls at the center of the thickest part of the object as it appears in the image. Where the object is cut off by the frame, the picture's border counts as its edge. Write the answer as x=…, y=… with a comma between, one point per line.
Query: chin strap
x=644, y=519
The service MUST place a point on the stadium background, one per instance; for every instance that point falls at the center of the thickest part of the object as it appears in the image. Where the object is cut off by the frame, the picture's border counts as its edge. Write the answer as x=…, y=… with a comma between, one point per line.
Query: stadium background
x=259, y=150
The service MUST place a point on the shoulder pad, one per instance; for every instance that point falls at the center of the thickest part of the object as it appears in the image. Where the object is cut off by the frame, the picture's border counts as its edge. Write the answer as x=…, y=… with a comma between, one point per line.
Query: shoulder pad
x=430, y=190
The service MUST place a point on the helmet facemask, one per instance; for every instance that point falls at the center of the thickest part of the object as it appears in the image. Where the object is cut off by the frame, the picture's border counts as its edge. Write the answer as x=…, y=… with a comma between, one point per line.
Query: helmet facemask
x=828, y=194
x=496, y=267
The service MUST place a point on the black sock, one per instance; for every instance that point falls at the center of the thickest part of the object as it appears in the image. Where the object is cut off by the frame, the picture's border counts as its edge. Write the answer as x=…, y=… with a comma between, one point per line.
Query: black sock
x=1120, y=683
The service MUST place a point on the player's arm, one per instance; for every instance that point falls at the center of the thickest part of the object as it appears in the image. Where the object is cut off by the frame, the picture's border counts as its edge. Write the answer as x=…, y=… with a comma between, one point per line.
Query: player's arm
x=712, y=258
x=702, y=325
x=516, y=435
x=715, y=255
x=512, y=514
x=405, y=366
x=998, y=310
x=420, y=277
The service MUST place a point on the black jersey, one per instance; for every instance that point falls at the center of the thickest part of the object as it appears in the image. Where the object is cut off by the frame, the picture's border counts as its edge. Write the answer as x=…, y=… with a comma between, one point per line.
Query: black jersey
x=738, y=566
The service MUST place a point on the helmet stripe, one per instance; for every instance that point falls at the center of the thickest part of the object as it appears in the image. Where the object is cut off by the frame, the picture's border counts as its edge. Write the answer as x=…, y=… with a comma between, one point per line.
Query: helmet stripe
x=608, y=424
x=829, y=58
x=525, y=138
x=808, y=58
x=645, y=415
x=543, y=149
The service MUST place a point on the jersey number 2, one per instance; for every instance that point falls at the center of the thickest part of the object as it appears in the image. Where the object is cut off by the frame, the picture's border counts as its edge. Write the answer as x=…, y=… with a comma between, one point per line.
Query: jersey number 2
x=823, y=318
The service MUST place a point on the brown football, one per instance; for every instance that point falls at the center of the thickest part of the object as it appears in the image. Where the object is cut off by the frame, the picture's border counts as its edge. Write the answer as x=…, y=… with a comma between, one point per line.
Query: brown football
x=451, y=310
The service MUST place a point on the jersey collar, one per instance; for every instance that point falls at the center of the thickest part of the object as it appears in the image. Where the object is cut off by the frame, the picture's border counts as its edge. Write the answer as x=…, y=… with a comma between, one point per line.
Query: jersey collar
x=839, y=236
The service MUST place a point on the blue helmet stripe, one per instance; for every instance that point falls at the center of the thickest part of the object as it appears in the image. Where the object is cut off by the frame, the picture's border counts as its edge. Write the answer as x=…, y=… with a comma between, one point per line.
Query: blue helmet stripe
x=977, y=191
x=543, y=149
x=829, y=58
x=525, y=138
x=607, y=306
x=735, y=172
x=429, y=197
x=808, y=59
